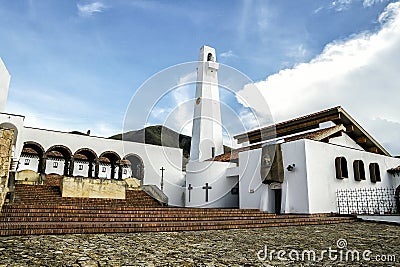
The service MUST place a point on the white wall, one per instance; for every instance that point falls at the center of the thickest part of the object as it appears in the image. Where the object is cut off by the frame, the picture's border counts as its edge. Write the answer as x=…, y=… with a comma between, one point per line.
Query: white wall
x=33, y=163
x=154, y=157
x=213, y=173
x=253, y=194
x=321, y=175
x=84, y=166
x=4, y=83
x=346, y=141
x=50, y=166
x=295, y=193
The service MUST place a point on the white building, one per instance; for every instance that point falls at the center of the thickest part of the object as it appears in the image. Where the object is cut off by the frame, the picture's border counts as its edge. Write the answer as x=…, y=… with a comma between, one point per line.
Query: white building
x=72, y=154
x=321, y=163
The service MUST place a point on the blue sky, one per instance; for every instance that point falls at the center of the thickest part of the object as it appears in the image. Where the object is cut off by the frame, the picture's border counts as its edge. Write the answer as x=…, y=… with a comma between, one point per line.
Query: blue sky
x=76, y=64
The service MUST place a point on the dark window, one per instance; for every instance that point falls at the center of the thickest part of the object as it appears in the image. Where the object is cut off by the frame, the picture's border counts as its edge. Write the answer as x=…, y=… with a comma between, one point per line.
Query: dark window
x=27, y=161
x=359, y=170
x=103, y=169
x=125, y=172
x=341, y=168
x=374, y=172
x=210, y=57
x=80, y=167
x=55, y=164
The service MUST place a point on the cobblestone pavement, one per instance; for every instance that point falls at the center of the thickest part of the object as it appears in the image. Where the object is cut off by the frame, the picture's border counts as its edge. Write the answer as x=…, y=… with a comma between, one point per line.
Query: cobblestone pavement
x=210, y=248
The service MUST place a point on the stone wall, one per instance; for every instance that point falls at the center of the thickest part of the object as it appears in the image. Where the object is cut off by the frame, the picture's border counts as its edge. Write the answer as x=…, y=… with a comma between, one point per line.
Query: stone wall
x=92, y=188
x=6, y=142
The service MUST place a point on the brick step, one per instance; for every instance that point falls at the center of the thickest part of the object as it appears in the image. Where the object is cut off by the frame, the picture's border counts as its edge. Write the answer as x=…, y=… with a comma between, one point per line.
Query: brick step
x=107, y=219
x=117, y=227
x=22, y=208
x=87, y=225
x=83, y=200
x=99, y=213
x=122, y=213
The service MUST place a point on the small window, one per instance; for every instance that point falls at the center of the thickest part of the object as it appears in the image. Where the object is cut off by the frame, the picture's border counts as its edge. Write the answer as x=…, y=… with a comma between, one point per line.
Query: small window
x=125, y=171
x=55, y=164
x=27, y=161
x=210, y=57
x=103, y=169
x=359, y=170
x=341, y=168
x=80, y=167
x=374, y=172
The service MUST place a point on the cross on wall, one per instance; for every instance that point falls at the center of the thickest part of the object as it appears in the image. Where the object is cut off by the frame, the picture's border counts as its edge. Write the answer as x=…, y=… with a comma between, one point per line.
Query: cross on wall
x=207, y=187
x=162, y=178
x=190, y=187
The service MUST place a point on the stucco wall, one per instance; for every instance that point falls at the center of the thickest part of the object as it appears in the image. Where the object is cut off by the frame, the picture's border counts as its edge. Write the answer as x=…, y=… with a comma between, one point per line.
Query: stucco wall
x=213, y=173
x=295, y=192
x=252, y=192
x=4, y=83
x=154, y=157
x=321, y=177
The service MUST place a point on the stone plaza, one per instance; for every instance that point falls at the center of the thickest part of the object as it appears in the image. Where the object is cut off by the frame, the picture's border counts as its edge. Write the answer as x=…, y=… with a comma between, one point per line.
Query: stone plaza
x=208, y=248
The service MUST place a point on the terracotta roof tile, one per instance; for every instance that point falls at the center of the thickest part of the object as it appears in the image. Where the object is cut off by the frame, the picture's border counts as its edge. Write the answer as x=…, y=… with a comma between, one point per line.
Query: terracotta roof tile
x=234, y=154
x=28, y=150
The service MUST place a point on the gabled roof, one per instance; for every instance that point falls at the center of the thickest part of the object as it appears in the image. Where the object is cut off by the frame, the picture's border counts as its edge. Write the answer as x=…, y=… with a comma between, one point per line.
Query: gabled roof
x=337, y=115
x=319, y=135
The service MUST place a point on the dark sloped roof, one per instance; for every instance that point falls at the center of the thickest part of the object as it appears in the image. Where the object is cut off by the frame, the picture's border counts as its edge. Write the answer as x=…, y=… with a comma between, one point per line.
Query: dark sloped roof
x=309, y=122
x=319, y=134
x=315, y=135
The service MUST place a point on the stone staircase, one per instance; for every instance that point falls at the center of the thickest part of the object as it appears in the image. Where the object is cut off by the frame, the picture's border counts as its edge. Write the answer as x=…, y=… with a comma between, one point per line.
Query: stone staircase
x=40, y=209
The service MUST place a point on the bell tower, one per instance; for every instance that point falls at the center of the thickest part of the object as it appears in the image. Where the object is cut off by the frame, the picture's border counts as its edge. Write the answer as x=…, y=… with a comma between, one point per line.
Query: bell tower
x=4, y=83
x=207, y=128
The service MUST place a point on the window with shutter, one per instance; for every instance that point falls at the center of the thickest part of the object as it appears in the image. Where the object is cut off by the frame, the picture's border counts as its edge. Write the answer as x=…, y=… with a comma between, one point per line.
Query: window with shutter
x=341, y=168
x=374, y=172
x=359, y=170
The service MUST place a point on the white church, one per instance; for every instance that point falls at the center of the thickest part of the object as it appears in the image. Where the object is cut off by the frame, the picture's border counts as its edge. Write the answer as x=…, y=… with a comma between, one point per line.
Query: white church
x=324, y=162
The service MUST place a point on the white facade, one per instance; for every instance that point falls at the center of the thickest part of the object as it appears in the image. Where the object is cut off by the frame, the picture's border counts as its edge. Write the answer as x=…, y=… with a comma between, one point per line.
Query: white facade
x=311, y=187
x=153, y=157
x=208, y=185
x=4, y=83
x=310, y=182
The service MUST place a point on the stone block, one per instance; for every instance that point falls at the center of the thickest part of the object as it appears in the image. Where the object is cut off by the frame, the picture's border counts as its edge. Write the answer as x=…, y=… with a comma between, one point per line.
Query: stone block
x=92, y=188
x=27, y=175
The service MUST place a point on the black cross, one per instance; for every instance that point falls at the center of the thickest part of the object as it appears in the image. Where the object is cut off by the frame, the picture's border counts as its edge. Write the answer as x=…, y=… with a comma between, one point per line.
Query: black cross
x=190, y=189
x=162, y=178
x=206, y=187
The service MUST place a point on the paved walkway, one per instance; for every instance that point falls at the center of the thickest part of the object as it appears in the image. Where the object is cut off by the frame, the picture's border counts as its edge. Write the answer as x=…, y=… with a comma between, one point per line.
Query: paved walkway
x=211, y=248
x=381, y=218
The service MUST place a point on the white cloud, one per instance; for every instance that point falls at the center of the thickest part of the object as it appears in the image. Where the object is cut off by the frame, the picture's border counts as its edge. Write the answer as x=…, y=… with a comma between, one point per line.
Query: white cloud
x=360, y=74
x=87, y=10
x=227, y=54
x=341, y=5
x=369, y=3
